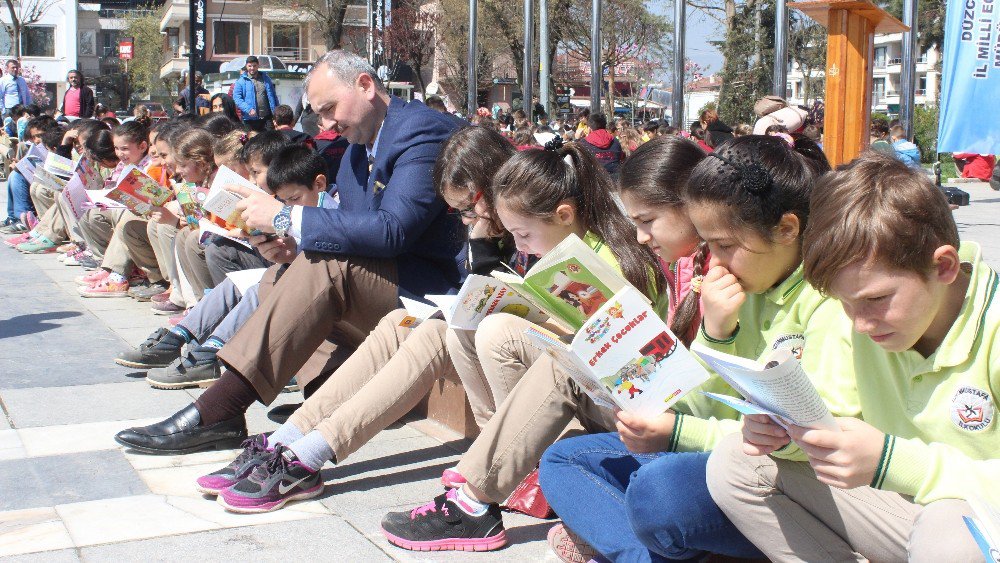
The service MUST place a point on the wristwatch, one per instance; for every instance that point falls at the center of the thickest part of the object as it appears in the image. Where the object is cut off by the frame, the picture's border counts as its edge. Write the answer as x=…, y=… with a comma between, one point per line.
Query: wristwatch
x=282, y=221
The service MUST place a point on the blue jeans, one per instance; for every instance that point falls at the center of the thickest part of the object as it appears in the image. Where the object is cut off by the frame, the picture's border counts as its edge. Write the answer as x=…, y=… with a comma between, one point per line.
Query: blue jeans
x=18, y=195
x=637, y=507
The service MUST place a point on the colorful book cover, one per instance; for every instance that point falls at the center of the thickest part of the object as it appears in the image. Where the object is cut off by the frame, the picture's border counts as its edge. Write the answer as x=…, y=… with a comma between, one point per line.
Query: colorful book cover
x=89, y=174
x=191, y=198
x=139, y=192
x=26, y=166
x=222, y=202
x=58, y=165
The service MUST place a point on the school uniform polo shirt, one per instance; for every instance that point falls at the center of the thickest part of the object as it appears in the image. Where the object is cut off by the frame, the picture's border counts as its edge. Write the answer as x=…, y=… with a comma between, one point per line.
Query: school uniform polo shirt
x=939, y=412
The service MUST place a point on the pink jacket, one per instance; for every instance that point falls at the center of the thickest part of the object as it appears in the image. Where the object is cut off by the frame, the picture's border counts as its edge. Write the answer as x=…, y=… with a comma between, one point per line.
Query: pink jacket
x=679, y=276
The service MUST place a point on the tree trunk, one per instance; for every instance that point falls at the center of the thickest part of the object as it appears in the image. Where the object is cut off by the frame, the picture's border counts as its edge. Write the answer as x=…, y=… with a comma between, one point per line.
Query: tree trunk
x=611, y=93
x=419, y=78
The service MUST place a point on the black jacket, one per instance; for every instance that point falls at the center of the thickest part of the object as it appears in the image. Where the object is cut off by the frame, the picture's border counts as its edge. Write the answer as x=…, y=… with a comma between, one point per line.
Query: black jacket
x=87, y=102
x=718, y=133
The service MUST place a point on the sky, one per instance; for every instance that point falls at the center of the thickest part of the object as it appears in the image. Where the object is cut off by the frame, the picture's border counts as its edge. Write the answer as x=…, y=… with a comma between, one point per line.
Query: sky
x=700, y=30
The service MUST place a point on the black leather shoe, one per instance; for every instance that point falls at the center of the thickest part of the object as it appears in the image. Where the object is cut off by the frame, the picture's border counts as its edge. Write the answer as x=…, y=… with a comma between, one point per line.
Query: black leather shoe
x=181, y=434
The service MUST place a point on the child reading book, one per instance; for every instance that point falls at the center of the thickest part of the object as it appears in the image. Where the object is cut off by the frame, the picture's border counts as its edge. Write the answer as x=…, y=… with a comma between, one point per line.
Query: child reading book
x=543, y=196
x=889, y=485
x=391, y=371
x=585, y=478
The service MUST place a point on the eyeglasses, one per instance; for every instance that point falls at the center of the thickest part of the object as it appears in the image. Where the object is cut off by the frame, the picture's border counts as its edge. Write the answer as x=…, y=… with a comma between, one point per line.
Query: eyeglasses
x=470, y=211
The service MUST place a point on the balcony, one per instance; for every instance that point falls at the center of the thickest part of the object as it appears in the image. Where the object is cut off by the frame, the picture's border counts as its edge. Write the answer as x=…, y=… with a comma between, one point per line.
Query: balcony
x=121, y=14
x=298, y=54
x=174, y=62
x=173, y=14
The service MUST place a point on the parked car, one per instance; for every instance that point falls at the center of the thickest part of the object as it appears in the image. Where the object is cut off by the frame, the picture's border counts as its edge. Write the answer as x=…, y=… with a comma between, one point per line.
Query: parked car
x=156, y=110
x=267, y=63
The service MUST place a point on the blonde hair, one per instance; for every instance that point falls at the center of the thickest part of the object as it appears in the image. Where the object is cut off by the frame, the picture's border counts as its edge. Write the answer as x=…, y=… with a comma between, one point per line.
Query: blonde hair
x=229, y=146
x=194, y=145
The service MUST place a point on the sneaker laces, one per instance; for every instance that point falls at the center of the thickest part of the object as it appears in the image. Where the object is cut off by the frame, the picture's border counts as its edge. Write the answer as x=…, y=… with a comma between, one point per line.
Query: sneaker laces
x=432, y=506
x=251, y=446
x=277, y=463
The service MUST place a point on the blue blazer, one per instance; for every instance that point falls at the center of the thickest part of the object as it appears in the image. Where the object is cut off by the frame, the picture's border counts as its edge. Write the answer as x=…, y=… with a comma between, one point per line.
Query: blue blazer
x=245, y=95
x=395, y=211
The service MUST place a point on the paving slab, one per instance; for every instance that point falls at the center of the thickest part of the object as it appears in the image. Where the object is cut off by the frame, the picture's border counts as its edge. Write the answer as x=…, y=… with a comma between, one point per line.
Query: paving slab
x=57, y=556
x=90, y=403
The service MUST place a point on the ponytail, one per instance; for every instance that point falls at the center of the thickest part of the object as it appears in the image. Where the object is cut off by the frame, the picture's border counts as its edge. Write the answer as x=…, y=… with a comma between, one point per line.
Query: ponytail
x=688, y=311
x=535, y=182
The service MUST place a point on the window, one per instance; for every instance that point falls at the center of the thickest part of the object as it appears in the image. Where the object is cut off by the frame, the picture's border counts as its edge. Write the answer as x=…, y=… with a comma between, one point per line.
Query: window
x=38, y=41
x=286, y=41
x=232, y=38
x=879, y=86
x=880, y=57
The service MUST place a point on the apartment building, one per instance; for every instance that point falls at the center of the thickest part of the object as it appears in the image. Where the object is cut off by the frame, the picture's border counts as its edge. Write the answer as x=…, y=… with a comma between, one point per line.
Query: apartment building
x=886, y=75
x=48, y=46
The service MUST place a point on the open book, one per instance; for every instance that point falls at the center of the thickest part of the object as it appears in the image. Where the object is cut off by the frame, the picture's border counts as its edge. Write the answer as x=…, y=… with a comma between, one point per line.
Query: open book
x=985, y=527
x=139, y=192
x=779, y=388
x=58, y=165
x=34, y=157
x=570, y=283
x=625, y=356
x=222, y=203
x=480, y=296
x=191, y=198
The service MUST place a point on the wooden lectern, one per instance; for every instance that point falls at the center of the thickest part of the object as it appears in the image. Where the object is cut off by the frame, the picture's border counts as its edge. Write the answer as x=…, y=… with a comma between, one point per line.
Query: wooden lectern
x=851, y=26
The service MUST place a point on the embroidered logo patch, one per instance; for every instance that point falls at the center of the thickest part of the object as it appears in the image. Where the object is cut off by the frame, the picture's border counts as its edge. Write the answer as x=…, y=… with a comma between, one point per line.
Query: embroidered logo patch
x=794, y=343
x=971, y=409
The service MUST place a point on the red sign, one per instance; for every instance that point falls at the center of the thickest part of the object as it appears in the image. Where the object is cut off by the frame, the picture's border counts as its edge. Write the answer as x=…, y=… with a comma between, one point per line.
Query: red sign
x=125, y=49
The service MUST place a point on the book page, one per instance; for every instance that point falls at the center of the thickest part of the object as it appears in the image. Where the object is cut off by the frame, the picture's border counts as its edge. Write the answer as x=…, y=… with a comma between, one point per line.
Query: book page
x=481, y=296
x=58, y=165
x=207, y=228
x=90, y=176
x=987, y=522
x=739, y=405
x=27, y=164
x=784, y=388
x=99, y=200
x=48, y=179
x=245, y=279
x=416, y=311
x=137, y=191
x=76, y=196
x=221, y=202
x=643, y=366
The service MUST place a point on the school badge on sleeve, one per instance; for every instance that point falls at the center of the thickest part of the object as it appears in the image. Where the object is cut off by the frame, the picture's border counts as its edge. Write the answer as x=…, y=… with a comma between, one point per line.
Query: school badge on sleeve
x=971, y=409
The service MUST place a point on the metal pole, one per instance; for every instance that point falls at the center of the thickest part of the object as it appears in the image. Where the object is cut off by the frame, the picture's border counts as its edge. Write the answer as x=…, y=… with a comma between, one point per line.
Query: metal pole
x=545, y=70
x=677, y=96
x=529, y=63
x=192, y=56
x=596, y=76
x=780, y=49
x=472, y=101
x=908, y=70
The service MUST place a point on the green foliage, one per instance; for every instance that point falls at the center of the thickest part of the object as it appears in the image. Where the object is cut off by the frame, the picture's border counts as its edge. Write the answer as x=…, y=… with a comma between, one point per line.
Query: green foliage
x=147, y=52
x=930, y=20
x=925, y=129
x=880, y=115
x=949, y=170
x=749, y=54
x=708, y=106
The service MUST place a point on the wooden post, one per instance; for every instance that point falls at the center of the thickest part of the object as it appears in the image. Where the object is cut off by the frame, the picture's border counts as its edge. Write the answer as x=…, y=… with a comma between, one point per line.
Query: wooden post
x=851, y=27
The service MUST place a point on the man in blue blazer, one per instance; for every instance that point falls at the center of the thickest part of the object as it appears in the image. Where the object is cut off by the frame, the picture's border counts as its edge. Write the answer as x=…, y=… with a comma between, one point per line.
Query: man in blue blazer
x=391, y=236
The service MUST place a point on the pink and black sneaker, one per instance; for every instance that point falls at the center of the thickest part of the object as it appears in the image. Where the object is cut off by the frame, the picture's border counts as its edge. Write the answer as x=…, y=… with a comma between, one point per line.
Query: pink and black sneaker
x=441, y=525
x=255, y=452
x=280, y=479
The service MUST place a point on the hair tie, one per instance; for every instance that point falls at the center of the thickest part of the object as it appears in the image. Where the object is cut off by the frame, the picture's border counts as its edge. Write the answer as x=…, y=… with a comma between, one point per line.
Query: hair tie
x=243, y=138
x=554, y=144
x=753, y=177
x=696, y=283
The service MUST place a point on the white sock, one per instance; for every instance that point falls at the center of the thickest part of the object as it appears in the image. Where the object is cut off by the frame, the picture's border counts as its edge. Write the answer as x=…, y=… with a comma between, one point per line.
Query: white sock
x=469, y=505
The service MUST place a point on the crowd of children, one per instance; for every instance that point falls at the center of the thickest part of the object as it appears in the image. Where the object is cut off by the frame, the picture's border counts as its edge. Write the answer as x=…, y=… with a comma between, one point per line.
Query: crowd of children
x=745, y=244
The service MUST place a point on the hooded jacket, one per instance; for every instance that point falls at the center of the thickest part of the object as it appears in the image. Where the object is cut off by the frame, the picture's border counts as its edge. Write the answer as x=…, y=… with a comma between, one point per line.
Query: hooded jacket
x=606, y=148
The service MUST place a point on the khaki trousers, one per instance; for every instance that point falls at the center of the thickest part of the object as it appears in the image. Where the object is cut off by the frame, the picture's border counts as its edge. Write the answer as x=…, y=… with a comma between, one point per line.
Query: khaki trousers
x=791, y=516
x=544, y=405
x=191, y=261
x=491, y=360
x=116, y=256
x=318, y=298
x=161, y=238
x=392, y=370
x=97, y=226
x=51, y=223
x=135, y=235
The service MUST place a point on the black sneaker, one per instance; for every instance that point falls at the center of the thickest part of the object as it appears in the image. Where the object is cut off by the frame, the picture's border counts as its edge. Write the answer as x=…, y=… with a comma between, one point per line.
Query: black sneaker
x=277, y=481
x=441, y=525
x=190, y=372
x=146, y=291
x=88, y=262
x=158, y=351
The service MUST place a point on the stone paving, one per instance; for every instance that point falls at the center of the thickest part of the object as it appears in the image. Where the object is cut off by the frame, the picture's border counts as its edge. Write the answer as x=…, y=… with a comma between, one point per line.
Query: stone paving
x=68, y=492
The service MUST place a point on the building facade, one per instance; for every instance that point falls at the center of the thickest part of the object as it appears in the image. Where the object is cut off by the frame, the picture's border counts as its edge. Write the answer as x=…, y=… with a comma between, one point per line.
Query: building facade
x=48, y=46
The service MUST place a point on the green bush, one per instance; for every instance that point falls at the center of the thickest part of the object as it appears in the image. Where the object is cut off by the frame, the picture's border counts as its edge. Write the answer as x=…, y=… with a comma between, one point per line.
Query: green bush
x=925, y=129
x=880, y=115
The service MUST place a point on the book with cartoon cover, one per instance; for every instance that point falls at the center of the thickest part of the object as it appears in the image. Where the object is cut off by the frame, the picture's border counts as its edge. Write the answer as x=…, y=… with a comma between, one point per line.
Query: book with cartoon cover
x=90, y=176
x=570, y=283
x=191, y=198
x=222, y=203
x=76, y=196
x=625, y=356
x=58, y=165
x=48, y=179
x=984, y=526
x=139, y=192
x=479, y=296
x=27, y=164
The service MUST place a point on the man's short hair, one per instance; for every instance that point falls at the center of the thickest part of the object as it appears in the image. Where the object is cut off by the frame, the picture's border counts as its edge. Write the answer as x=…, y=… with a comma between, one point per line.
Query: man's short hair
x=295, y=164
x=346, y=67
x=252, y=59
x=875, y=209
x=597, y=121
x=284, y=115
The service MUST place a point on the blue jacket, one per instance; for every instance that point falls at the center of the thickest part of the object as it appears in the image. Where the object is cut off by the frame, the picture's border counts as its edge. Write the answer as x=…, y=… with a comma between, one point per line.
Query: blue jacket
x=395, y=211
x=245, y=95
x=908, y=152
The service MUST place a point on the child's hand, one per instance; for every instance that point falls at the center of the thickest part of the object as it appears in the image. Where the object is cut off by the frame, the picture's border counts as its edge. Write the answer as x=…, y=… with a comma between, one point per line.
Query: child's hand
x=163, y=215
x=644, y=435
x=70, y=136
x=721, y=296
x=279, y=251
x=761, y=435
x=257, y=210
x=845, y=459
x=480, y=229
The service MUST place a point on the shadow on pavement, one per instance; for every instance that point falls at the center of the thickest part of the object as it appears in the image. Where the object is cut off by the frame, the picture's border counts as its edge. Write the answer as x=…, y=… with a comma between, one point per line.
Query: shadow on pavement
x=23, y=325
